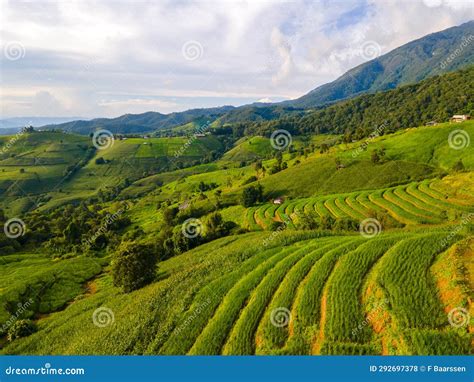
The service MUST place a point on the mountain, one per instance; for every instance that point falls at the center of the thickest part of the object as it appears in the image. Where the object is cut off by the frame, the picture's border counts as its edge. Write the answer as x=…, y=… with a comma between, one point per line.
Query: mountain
x=18, y=122
x=436, y=98
x=436, y=53
x=141, y=123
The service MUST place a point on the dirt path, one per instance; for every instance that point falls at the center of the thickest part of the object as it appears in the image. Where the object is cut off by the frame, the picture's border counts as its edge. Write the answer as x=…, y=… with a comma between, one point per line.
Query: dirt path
x=318, y=340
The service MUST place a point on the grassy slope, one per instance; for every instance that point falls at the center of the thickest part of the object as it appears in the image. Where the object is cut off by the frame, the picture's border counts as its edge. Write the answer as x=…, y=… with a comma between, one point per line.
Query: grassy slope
x=194, y=285
x=142, y=328
x=413, y=154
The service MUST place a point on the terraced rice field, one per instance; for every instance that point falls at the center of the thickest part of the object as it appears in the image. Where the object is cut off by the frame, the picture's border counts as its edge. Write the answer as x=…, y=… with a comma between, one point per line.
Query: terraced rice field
x=413, y=204
x=301, y=294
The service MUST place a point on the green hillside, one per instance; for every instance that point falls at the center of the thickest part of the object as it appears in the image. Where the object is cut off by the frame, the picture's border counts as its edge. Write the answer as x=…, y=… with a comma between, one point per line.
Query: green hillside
x=234, y=242
x=221, y=299
x=407, y=64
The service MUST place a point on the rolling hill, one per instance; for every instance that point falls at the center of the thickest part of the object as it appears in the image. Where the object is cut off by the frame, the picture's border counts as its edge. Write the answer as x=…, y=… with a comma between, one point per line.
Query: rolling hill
x=140, y=123
x=354, y=237
x=435, y=54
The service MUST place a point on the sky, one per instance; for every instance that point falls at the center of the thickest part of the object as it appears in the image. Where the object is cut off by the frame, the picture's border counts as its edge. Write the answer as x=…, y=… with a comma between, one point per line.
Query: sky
x=108, y=58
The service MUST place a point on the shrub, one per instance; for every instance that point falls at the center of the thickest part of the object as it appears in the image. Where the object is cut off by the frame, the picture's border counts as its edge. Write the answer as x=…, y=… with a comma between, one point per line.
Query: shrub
x=276, y=226
x=251, y=179
x=252, y=195
x=308, y=221
x=327, y=222
x=216, y=227
x=134, y=266
x=21, y=328
x=346, y=224
x=458, y=166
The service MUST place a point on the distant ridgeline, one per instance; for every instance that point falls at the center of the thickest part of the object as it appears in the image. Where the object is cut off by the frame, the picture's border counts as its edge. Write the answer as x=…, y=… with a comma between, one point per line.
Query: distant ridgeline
x=434, y=99
x=435, y=54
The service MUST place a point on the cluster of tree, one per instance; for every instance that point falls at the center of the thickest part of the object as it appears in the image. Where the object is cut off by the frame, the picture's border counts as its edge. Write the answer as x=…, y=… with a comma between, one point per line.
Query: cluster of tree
x=21, y=328
x=174, y=239
x=134, y=265
x=101, y=160
x=312, y=221
x=378, y=155
x=252, y=195
x=436, y=98
x=279, y=165
x=203, y=187
x=71, y=229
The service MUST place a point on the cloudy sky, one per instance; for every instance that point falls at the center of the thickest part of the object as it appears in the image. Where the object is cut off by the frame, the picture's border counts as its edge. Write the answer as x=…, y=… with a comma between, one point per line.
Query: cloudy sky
x=107, y=58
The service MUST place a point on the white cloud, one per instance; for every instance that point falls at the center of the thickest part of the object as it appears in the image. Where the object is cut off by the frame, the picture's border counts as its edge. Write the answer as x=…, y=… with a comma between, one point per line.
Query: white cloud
x=107, y=58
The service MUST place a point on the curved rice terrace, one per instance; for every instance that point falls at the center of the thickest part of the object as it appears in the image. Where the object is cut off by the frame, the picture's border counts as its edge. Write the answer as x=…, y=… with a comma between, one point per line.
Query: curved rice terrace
x=302, y=294
x=271, y=285
x=417, y=203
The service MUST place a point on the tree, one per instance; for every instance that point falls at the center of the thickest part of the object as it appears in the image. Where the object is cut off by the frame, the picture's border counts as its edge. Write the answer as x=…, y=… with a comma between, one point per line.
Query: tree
x=169, y=215
x=308, y=221
x=134, y=266
x=21, y=328
x=258, y=165
x=216, y=227
x=252, y=195
x=458, y=166
x=72, y=233
x=375, y=158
